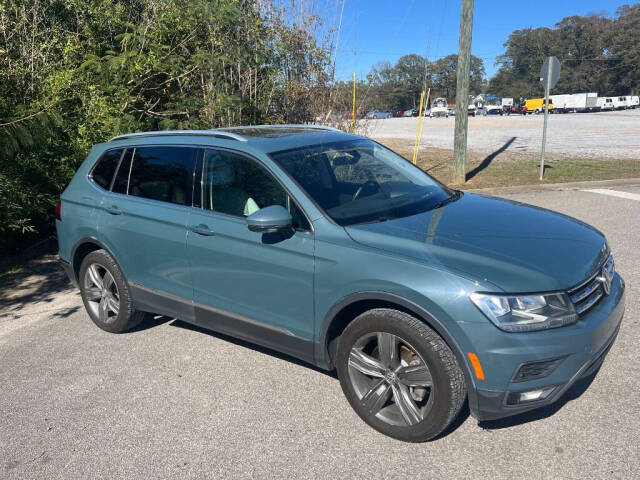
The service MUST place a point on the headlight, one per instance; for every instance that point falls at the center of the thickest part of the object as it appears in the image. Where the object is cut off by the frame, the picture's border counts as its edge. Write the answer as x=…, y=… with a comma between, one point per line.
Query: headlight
x=527, y=312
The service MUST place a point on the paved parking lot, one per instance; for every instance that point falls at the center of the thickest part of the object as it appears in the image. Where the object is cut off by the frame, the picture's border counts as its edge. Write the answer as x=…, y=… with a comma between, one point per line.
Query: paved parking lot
x=169, y=400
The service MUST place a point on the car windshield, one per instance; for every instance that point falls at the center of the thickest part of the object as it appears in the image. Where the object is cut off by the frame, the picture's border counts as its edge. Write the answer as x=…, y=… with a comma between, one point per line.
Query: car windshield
x=360, y=181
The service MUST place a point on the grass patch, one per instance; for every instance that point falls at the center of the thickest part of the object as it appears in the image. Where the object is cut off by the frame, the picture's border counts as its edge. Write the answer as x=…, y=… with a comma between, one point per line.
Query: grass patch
x=506, y=168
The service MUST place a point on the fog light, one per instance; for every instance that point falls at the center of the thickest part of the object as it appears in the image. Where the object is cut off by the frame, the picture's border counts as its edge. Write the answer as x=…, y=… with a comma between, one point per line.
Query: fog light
x=518, y=398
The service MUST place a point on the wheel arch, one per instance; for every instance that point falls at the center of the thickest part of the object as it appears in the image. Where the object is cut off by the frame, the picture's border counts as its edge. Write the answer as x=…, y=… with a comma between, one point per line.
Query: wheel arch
x=84, y=247
x=347, y=309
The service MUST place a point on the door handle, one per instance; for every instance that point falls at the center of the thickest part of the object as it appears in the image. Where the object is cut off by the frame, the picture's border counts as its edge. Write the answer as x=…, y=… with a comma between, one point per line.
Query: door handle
x=113, y=210
x=202, y=229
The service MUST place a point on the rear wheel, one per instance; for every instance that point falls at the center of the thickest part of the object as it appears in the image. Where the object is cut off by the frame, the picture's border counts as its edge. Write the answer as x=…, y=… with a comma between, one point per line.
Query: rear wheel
x=105, y=294
x=399, y=375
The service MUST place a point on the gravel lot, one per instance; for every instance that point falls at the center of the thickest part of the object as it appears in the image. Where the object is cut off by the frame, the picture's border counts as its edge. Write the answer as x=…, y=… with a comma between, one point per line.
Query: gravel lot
x=173, y=401
x=598, y=134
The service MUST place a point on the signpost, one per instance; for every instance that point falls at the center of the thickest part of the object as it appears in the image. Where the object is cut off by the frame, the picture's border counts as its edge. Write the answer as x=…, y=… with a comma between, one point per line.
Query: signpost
x=549, y=75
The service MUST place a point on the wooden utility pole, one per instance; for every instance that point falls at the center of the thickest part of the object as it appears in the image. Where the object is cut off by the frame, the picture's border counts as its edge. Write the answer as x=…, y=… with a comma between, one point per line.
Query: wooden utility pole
x=462, y=93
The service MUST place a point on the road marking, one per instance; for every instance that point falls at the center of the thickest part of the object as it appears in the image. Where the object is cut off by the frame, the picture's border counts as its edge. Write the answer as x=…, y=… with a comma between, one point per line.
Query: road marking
x=615, y=193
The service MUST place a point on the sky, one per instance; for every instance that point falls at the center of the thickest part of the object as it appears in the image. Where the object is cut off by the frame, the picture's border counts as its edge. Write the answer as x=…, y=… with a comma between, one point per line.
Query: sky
x=378, y=30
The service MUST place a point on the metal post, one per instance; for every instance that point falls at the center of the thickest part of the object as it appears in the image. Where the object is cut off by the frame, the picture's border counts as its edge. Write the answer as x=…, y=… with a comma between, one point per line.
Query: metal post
x=462, y=93
x=547, y=87
x=415, y=144
x=353, y=110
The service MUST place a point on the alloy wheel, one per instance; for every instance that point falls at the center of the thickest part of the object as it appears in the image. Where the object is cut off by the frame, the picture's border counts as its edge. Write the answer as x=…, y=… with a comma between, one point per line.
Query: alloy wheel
x=391, y=379
x=101, y=293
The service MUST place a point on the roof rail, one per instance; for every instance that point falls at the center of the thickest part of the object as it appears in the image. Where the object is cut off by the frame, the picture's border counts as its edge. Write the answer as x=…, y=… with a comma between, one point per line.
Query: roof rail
x=309, y=126
x=165, y=133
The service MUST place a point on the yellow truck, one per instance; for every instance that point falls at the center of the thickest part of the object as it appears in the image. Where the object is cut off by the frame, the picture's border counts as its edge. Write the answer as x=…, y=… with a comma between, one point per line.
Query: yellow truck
x=536, y=105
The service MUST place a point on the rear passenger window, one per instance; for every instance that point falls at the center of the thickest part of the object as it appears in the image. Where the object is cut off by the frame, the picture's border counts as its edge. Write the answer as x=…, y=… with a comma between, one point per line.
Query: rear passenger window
x=121, y=182
x=163, y=173
x=102, y=173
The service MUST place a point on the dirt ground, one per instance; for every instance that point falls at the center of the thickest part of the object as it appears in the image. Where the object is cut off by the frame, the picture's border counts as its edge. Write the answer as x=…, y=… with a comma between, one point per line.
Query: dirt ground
x=578, y=135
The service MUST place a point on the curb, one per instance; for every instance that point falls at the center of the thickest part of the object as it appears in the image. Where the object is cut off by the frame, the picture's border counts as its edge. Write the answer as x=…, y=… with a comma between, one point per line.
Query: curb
x=557, y=186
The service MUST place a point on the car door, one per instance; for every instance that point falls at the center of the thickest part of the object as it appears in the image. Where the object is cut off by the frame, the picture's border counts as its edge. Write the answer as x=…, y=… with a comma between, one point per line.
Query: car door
x=250, y=285
x=144, y=220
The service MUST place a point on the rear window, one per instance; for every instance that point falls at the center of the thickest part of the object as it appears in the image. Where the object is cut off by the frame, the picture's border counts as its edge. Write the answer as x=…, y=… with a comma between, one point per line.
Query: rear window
x=163, y=173
x=102, y=173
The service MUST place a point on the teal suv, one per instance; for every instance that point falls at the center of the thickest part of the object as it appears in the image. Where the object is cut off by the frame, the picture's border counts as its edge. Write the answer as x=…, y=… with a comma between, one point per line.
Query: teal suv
x=335, y=250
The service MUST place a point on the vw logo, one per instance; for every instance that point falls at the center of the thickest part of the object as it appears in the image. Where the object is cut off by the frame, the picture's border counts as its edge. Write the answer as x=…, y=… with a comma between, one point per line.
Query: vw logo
x=605, y=279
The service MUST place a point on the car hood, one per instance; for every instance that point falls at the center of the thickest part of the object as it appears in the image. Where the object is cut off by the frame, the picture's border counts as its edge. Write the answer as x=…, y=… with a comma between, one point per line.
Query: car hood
x=514, y=246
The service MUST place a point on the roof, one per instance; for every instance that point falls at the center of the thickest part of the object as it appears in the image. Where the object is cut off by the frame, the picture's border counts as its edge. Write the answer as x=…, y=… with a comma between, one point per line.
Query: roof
x=267, y=138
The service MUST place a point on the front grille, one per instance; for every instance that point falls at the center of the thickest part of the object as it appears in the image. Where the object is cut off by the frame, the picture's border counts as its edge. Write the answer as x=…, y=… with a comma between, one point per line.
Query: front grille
x=589, y=293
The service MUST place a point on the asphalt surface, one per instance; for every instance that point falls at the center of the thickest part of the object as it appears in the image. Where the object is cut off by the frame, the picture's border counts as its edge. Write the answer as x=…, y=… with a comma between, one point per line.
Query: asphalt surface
x=173, y=401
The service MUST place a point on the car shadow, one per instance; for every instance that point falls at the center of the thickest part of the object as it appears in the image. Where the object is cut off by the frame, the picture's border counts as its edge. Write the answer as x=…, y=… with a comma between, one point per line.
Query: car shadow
x=252, y=346
x=487, y=160
x=150, y=321
x=576, y=390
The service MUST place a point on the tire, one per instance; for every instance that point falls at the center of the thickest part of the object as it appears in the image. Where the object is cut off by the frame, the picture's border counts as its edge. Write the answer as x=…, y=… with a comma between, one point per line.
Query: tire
x=429, y=400
x=110, y=307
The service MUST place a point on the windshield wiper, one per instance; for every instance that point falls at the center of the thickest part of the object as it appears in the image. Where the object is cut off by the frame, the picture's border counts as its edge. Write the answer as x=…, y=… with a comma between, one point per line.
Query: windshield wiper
x=456, y=195
x=375, y=220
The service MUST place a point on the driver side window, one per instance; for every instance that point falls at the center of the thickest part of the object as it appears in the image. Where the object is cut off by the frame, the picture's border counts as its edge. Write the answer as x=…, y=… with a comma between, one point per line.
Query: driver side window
x=236, y=185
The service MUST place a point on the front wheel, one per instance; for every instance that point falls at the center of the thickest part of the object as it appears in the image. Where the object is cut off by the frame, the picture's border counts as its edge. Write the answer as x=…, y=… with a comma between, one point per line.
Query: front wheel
x=399, y=375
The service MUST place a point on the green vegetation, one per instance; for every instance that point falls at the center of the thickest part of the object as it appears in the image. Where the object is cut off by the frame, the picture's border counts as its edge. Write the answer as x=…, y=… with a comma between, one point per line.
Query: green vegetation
x=598, y=54
x=77, y=72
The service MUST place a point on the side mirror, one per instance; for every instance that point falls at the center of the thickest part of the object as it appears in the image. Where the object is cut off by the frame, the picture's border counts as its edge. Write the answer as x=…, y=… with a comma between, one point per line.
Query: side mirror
x=270, y=219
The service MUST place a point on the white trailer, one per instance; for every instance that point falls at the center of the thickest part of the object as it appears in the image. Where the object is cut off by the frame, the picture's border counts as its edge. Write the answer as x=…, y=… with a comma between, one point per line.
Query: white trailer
x=605, y=103
x=635, y=101
x=575, y=102
x=562, y=103
x=591, y=101
x=621, y=103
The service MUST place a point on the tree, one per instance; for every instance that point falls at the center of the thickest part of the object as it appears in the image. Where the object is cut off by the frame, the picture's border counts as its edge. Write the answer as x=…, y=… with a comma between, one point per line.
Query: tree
x=598, y=54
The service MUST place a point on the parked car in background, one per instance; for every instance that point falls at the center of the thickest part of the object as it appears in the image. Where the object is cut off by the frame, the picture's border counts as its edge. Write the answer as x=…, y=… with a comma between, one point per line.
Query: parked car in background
x=398, y=113
x=452, y=110
x=378, y=114
x=410, y=112
x=337, y=251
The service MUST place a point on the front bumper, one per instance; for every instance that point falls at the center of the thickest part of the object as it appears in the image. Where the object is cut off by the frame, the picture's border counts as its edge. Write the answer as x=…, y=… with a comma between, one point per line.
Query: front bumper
x=583, y=347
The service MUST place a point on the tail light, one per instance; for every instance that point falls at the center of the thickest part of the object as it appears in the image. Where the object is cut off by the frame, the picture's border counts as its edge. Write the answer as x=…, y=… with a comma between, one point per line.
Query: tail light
x=59, y=211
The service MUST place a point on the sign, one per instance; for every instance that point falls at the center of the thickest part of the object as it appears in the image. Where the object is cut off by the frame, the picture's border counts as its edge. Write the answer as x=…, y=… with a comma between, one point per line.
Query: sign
x=550, y=70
